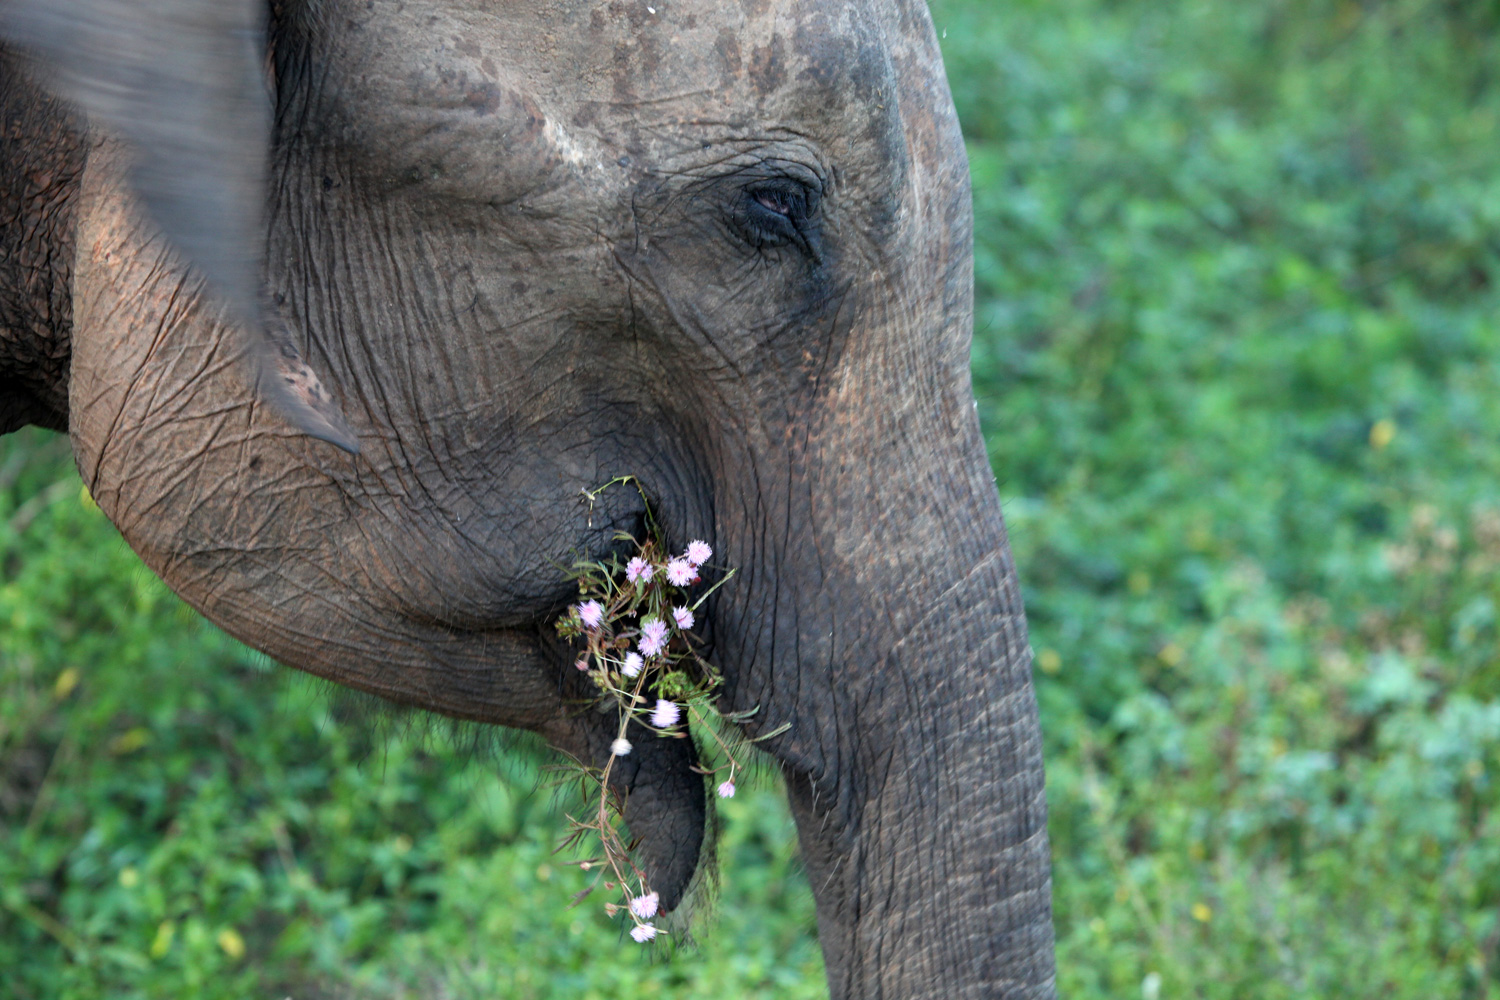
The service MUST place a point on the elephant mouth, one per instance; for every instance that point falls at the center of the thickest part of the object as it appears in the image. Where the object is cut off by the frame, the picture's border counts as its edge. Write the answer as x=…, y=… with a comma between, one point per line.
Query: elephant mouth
x=657, y=785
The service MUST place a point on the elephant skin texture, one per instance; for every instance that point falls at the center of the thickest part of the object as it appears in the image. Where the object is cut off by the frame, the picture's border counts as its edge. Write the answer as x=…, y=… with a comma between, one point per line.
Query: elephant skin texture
x=512, y=251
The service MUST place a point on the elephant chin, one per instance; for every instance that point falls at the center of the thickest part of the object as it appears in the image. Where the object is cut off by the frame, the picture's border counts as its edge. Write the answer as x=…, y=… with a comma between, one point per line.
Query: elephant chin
x=666, y=809
x=665, y=804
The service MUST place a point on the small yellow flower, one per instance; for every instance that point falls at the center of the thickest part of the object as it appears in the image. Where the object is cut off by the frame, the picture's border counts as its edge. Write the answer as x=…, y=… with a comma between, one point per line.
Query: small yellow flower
x=129, y=741
x=1048, y=661
x=162, y=943
x=65, y=683
x=1382, y=433
x=232, y=943
x=1202, y=913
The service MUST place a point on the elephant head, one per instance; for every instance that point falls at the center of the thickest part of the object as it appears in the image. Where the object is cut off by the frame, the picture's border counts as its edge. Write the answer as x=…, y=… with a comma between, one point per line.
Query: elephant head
x=722, y=246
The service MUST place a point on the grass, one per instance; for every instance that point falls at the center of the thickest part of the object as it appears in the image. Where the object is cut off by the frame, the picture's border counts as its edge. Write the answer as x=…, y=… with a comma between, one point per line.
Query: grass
x=1238, y=358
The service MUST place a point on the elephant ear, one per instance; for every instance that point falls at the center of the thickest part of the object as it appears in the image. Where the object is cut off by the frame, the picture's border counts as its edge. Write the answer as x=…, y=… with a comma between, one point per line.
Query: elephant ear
x=182, y=82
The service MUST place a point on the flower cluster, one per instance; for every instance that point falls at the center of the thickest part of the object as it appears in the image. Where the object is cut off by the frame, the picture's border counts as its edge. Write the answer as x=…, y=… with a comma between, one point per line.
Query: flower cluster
x=635, y=619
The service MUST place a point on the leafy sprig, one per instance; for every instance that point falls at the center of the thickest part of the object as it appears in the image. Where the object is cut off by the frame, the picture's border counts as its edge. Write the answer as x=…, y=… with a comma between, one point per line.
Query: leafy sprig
x=635, y=621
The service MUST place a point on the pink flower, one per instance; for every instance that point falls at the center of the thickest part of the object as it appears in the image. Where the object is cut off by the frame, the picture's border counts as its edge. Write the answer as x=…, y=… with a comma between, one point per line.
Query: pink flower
x=653, y=636
x=639, y=569
x=643, y=932
x=683, y=617
x=680, y=572
x=698, y=553
x=632, y=665
x=582, y=664
x=666, y=714
x=645, y=906
x=592, y=613
x=726, y=790
x=620, y=747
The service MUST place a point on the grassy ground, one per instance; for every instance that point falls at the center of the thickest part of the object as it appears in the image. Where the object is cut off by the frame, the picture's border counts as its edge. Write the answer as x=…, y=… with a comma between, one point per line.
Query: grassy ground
x=1238, y=357
x=1238, y=353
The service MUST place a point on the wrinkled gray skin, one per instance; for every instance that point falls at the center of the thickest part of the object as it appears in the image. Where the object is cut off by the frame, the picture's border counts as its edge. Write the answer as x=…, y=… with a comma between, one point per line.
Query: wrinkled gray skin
x=527, y=247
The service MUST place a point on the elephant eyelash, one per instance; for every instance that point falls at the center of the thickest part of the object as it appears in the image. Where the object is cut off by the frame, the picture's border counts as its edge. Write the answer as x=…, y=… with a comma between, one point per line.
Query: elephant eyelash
x=778, y=212
x=783, y=203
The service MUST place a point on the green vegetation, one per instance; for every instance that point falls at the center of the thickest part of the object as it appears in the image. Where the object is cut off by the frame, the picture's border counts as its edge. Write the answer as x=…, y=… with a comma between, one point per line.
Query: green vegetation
x=1238, y=358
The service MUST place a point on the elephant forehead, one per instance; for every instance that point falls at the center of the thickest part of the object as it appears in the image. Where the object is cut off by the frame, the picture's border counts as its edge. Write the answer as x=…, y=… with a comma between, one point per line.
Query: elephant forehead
x=816, y=60
x=509, y=100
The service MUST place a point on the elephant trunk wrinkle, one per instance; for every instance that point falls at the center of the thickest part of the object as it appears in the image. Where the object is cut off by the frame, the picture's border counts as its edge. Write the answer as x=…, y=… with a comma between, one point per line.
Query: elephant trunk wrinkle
x=937, y=808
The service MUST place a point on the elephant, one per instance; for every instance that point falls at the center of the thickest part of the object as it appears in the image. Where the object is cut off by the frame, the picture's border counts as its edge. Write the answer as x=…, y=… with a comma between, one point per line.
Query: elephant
x=342, y=303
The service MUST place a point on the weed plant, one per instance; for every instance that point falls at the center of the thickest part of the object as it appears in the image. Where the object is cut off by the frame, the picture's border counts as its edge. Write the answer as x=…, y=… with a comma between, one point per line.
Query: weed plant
x=1238, y=361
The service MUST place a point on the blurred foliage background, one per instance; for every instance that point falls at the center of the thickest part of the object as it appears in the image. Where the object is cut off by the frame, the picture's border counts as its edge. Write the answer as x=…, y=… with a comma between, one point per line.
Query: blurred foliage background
x=1237, y=354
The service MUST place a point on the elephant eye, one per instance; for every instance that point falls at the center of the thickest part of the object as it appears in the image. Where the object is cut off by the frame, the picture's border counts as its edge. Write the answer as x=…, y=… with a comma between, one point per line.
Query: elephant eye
x=779, y=212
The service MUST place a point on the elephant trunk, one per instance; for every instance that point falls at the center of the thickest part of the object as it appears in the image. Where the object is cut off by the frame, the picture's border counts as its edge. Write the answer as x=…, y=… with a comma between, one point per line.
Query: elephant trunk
x=913, y=757
x=932, y=878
